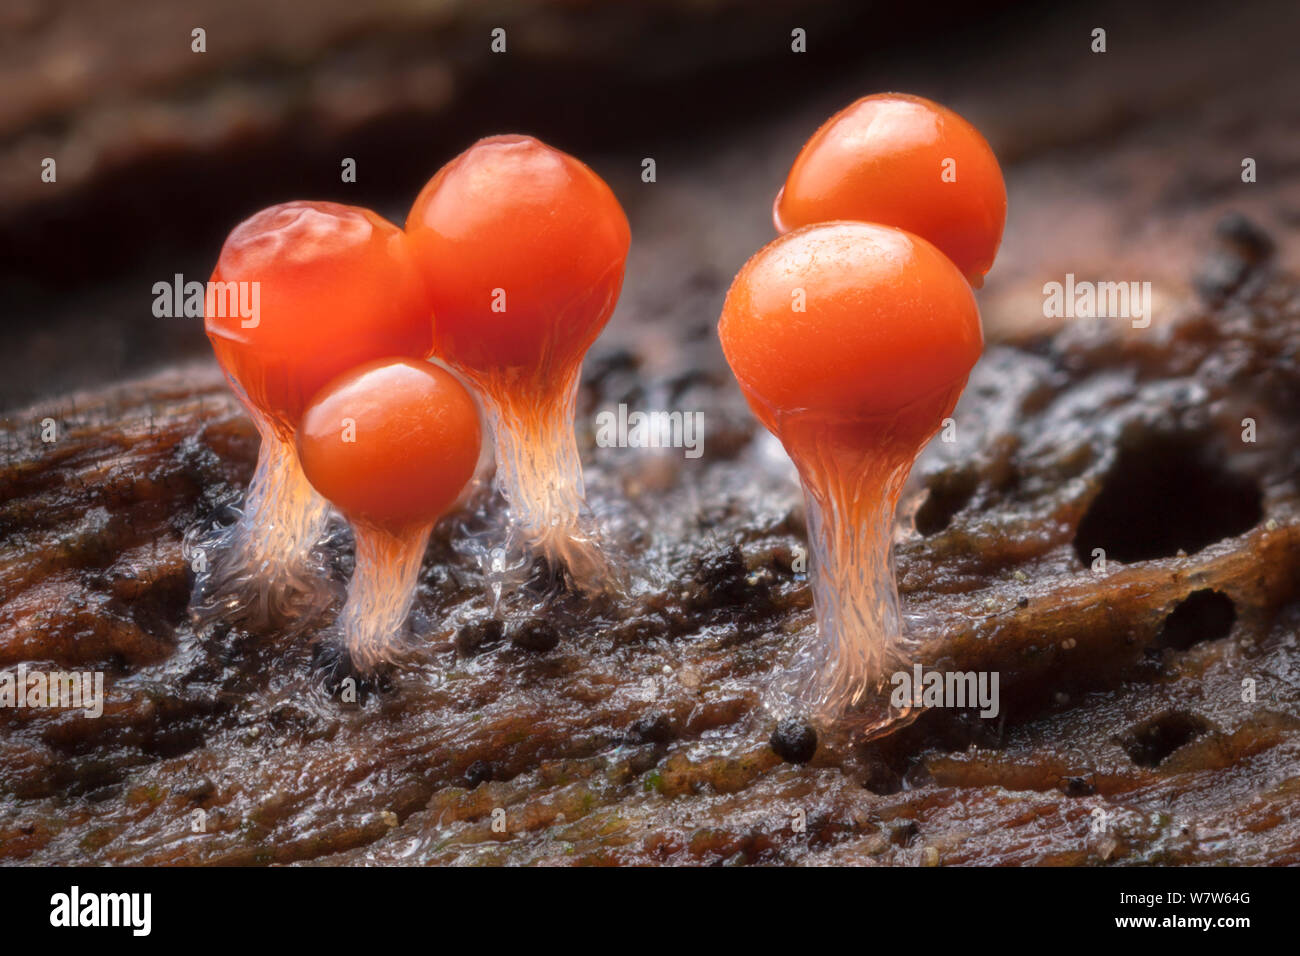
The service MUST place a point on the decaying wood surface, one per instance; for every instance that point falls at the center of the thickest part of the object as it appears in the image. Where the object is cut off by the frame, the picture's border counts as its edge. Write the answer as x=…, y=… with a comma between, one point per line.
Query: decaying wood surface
x=636, y=738
x=1159, y=694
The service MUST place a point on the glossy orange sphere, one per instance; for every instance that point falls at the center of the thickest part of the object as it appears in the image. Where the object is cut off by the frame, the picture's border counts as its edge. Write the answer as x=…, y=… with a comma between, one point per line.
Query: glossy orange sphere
x=392, y=443
x=903, y=161
x=850, y=321
x=337, y=286
x=523, y=248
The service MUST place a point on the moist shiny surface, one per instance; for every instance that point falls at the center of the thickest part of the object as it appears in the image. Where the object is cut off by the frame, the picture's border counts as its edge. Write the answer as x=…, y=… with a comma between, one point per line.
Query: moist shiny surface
x=636, y=737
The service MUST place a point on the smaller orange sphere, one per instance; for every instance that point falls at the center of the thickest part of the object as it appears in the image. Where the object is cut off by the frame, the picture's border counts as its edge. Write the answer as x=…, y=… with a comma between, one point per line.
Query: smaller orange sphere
x=523, y=247
x=849, y=320
x=903, y=161
x=336, y=287
x=393, y=442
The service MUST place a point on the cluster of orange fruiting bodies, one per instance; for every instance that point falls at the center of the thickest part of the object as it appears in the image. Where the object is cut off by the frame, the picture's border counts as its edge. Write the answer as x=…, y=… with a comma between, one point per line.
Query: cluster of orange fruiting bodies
x=851, y=335
x=508, y=267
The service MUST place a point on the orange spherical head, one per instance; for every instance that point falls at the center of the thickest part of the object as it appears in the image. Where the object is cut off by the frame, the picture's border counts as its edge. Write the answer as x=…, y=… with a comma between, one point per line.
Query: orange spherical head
x=391, y=443
x=523, y=247
x=851, y=322
x=903, y=161
x=335, y=286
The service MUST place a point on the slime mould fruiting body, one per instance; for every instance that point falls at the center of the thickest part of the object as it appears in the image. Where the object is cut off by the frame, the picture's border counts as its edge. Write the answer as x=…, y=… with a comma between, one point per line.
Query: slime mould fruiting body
x=336, y=287
x=393, y=445
x=524, y=248
x=853, y=385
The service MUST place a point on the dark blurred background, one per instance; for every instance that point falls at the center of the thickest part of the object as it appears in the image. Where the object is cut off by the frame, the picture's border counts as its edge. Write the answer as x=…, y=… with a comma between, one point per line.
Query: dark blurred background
x=161, y=150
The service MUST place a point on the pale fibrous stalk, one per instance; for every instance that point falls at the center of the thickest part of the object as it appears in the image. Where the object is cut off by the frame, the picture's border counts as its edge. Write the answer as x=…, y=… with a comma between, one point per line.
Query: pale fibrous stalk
x=852, y=474
x=381, y=592
x=259, y=571
x=539, y=473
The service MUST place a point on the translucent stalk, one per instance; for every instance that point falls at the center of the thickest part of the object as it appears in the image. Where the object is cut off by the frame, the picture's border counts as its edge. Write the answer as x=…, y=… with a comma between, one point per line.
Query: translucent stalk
x=381, y=592
x=258, y=570
x=539, y=473
x=852, y=476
